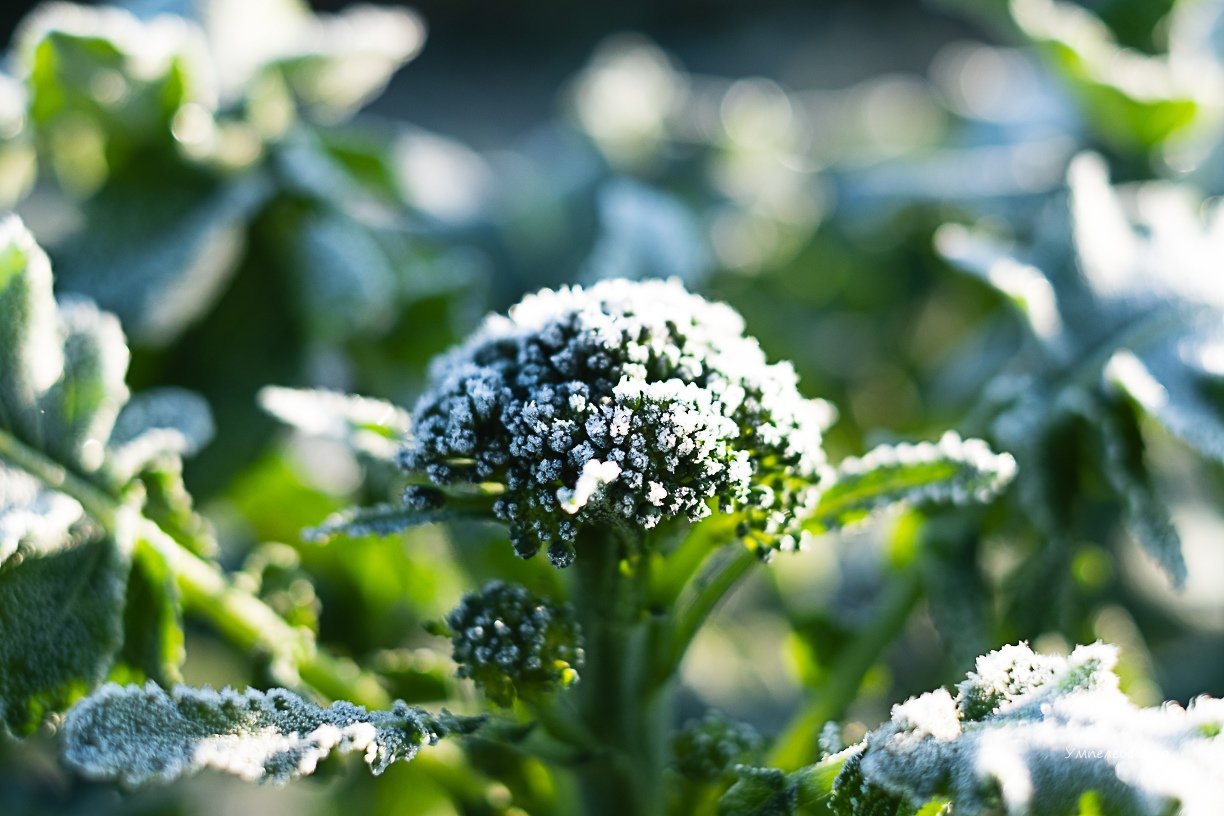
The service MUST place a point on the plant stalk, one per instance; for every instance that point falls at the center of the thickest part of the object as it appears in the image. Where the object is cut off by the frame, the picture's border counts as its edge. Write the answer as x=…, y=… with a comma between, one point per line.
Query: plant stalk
x=243, y=618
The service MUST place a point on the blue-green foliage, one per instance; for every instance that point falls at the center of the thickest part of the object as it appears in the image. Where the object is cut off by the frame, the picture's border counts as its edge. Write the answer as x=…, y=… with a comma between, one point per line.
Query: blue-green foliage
x=1123, y=311
x=65, y=414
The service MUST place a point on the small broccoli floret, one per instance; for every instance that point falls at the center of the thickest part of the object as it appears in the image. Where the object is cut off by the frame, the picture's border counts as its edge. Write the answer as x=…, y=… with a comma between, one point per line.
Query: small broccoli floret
x=708, y=749
x=515, y=644
x=626, y=403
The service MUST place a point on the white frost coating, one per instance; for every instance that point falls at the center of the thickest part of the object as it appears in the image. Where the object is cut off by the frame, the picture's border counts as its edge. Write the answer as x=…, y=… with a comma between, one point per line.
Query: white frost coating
x=932, y=714
x=140, y=735
x=370, y=426
x=1038, y=732
x=32, y=516
x=40, y=358
x=594, y=476
x=165, y=421
x=952, y=470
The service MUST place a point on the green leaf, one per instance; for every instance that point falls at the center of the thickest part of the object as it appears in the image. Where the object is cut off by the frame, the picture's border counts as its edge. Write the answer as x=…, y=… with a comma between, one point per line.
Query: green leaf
x=1033, y=734
x=31, y=355
x=1125, y=468
x=138, y=736
x=954, y=470
x=33, y=518
x=154, y=645
x=81, y=408
x=155, y=424
x=1133, y=101
x=369, y=426
x=159, y=244
x=106, y=87
x=385, y=520
x=59, y=629
x=338, y=63
x=343, y=271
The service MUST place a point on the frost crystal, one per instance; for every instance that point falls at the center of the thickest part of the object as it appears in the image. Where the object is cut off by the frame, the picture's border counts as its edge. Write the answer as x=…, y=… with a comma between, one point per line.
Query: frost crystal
x=630, y=402
x=1032, y=734
x=140, y=735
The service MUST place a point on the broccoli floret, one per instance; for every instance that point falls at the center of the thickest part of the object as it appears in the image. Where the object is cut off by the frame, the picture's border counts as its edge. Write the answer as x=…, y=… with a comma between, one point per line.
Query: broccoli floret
x=515, y=644
x=709, y=749
x=625, y=403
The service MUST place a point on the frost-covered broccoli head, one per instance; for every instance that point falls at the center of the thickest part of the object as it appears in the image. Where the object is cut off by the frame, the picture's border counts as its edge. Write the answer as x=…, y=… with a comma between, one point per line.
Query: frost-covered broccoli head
x=515, y=644
x=627, y=402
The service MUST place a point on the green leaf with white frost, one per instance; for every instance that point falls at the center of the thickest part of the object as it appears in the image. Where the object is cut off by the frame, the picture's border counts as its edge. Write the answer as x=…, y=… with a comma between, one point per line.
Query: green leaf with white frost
x=384, y=520
x=159, y=253
x=138, y=736
x=81, y=408
x=1125, y=467
x=1034, y=734
x=154, y=424
x=31, y=356
x=60, y=628
x=369, y=426
x=335, y=64
x=33, y=518
x=105, y=87
x=1122, y=302
x=65, y=415
x=1133, y=100
x=953, y=470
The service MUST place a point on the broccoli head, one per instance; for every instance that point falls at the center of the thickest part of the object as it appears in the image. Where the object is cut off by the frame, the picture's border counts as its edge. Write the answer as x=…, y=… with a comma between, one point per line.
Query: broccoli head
x=625, y=403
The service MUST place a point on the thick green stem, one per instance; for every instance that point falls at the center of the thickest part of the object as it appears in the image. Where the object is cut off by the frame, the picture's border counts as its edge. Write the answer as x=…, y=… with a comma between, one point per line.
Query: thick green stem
x=796, y=745
x=622, y=713
x=206, y=590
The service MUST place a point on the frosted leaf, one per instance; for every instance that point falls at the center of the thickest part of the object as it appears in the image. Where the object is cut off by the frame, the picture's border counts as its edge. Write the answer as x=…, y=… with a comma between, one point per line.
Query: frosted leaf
x=383, y=520
x=336, y=63
x=31, y=353
x=156, y=253
x=106, y=86
x=1121, y=286
x=60, y=629
x=33, y=517
x=81, y=408
x=370, y=426
x=137, y=736
x=1035, y=734
x=156, y=423
x=953, y=470
x=344, y=271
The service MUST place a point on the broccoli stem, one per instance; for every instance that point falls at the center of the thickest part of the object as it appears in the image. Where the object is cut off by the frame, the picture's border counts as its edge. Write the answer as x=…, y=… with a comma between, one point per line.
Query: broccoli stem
x=625, y=712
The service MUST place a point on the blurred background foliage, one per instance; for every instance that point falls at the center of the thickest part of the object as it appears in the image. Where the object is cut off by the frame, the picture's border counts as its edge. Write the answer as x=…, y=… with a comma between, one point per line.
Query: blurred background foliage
x=216, y=187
